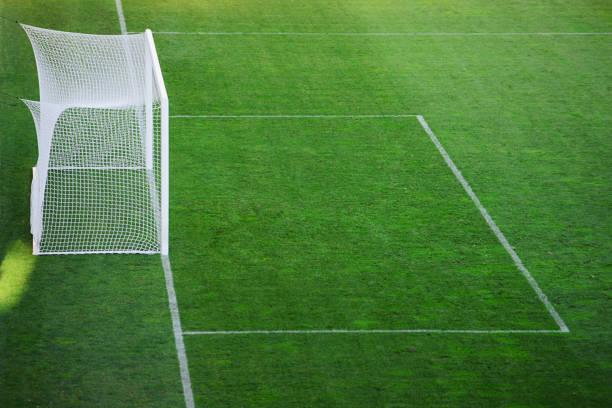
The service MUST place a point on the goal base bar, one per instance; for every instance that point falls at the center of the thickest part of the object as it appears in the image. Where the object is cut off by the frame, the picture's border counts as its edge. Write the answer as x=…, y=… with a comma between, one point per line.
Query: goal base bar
x=98, y=252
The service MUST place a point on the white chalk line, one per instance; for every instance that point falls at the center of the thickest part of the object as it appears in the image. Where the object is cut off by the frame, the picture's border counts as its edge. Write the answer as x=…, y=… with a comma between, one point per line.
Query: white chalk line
x=178, y=334
x=172, y=302
x=383, y=34
x=121, y=17
x=500, y=236
x=288, y=116
x=373, y=331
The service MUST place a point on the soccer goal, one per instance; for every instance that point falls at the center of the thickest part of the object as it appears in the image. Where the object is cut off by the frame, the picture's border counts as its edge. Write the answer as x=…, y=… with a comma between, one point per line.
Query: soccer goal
x=100, y=184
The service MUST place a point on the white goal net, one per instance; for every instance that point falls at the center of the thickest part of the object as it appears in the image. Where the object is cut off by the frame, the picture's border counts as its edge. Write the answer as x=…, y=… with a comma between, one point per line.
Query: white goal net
x=100, y=184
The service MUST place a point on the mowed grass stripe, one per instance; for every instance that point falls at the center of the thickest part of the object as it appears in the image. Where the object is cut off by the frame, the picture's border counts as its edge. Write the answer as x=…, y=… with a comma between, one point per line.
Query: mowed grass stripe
x=485, y=76
x=344, y=224
x=386, y=370
x=370, y=16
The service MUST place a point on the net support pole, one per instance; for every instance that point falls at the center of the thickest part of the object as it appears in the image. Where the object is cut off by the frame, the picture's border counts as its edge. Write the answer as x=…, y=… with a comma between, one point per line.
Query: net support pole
x=148, y=114
x=165, y=143
x=33, y=207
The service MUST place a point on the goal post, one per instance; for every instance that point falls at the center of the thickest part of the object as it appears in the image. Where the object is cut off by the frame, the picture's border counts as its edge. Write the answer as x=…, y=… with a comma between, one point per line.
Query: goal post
x=100, y=184
x=165, y=142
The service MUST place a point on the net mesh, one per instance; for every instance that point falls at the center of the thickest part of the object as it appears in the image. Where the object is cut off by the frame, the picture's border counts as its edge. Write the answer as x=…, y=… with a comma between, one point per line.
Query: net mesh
x=97, y=180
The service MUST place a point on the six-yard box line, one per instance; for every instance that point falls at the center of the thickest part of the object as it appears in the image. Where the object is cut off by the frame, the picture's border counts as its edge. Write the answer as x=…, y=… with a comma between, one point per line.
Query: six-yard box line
x=492, y=225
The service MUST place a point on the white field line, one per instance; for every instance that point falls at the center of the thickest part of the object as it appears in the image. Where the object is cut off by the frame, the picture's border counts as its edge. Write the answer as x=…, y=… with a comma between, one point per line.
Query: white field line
x=289, y=116
x=391, y=34
x=172, y=302
x=178, y=334
x=500, y=236
x=374, y=331
x=121, y=17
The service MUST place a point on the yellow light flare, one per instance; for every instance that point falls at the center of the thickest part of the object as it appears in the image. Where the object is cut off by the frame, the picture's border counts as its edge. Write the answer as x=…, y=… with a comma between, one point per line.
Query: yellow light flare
x=15, y=272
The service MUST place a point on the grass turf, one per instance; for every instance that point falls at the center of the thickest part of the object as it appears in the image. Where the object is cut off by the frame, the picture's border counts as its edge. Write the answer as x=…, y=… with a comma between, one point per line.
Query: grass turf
x=526, y=119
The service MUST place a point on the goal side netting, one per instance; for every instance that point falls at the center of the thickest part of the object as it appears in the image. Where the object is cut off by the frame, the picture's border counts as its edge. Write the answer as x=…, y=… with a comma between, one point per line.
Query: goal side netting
x=100, y=184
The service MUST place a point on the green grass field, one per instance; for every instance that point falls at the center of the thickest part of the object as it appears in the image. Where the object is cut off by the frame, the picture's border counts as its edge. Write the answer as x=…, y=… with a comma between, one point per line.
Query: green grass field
x=302, y=224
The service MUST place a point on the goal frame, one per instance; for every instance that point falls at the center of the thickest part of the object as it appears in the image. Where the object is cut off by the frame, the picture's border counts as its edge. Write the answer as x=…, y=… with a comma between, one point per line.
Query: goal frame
x=154, y=78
